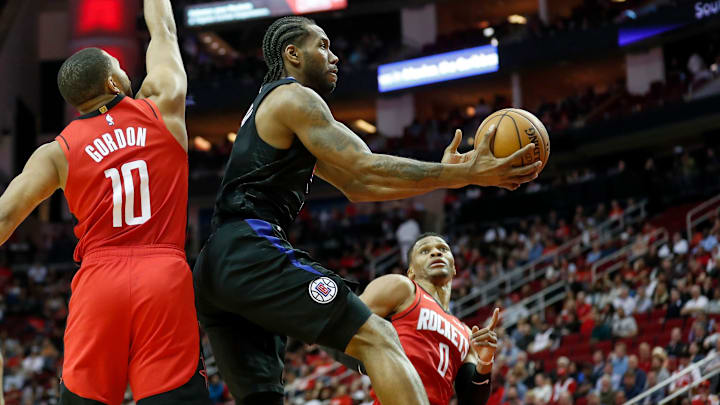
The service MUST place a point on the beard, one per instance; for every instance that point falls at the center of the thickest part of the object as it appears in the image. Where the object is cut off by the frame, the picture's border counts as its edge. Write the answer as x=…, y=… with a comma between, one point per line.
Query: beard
x=318, y=80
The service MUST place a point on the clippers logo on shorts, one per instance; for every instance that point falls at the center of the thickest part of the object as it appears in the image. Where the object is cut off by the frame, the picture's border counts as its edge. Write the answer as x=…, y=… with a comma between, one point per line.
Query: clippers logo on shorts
x=323, y=290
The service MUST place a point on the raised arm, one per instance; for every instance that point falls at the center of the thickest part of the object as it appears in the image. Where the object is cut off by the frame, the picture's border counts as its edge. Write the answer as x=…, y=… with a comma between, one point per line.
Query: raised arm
x=368, y=176
x=42, y=175
x=166, y=81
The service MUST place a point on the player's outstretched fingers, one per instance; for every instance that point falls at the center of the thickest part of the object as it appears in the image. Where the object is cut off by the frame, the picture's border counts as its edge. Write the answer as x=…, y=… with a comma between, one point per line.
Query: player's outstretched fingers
x=495, y=319
x=453, y=147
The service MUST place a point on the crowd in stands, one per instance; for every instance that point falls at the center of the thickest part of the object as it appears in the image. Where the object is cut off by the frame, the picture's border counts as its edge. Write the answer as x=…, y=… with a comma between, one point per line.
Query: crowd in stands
x=36, y=270
x=621, y=335
x=675, y=278
x=654, y=280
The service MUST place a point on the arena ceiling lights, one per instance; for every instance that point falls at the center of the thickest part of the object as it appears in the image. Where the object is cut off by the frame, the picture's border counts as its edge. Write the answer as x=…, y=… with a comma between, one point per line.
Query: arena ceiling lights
x=230, y=11
x=438, y=68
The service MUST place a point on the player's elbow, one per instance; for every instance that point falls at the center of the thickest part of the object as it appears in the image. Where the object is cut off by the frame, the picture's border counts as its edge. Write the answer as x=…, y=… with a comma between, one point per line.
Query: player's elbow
x=359, y=190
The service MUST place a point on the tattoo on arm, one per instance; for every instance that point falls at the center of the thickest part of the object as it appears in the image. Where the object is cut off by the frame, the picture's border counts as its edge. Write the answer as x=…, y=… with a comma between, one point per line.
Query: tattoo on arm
x=407, y=169
x=328, y=136
x=325, y=134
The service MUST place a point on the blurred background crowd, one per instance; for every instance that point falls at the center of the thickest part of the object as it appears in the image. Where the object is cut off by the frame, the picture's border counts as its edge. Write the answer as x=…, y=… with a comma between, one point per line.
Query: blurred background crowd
x=606, y=267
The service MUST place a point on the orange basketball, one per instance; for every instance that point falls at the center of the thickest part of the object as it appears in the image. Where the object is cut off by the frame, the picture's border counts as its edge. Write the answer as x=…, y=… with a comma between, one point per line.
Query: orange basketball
x=515, y=129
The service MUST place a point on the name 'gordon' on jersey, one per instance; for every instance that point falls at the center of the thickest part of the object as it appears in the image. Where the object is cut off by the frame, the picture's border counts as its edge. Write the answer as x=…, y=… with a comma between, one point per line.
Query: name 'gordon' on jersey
x=115, y=140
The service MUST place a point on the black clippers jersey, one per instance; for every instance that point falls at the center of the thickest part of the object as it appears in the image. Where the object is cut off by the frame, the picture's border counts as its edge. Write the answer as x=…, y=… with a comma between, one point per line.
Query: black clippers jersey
x=260, y=181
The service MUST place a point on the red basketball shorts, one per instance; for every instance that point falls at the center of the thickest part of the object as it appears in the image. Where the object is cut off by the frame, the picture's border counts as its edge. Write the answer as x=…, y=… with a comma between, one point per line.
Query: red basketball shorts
x=132, y=320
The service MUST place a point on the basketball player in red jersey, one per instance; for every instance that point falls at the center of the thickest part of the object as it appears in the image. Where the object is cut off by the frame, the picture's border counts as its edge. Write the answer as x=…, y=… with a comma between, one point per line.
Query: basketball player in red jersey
x=123, y=167
x=443, y=350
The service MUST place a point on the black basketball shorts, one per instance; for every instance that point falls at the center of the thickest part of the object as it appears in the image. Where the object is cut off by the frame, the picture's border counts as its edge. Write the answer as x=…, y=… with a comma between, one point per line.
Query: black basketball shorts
x=253, y=289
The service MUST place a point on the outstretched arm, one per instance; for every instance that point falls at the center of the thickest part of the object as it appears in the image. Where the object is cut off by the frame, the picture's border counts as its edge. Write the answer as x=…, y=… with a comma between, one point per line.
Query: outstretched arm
x=367, y=176
x=38, y=180
x=166, y=81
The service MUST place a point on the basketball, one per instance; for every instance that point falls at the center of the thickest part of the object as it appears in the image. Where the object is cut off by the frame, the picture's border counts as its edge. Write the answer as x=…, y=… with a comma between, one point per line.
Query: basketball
x=515, y=129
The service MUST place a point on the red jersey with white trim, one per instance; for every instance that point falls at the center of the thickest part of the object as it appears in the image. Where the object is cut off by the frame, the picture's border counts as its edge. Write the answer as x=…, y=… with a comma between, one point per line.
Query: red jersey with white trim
x=127, y=181
x=435, y=342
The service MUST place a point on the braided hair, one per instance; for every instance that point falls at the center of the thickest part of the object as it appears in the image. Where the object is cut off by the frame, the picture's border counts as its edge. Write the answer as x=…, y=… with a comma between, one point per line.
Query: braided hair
x=284, y=31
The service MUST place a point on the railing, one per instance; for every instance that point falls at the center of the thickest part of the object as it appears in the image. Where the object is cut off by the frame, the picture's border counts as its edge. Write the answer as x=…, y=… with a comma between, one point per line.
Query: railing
x=529, y=272
x=660, y=235
x=706, y=210
x=537, y=302
x=689, y=387
x=534, y=304
x=689, y=369
x=381, y=264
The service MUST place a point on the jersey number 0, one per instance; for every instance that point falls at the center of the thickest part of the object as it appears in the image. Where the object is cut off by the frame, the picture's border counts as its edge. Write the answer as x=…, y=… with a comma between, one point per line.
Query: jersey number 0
x=127, y=185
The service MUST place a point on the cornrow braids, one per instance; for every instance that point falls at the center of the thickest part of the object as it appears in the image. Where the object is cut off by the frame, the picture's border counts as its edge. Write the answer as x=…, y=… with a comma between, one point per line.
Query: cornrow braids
x=283, y=31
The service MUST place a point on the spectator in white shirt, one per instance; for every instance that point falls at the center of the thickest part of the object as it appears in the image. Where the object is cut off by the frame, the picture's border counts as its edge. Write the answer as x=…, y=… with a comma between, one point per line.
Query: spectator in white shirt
x=680, y=245
x=698, y=302
x=713, y=306
x=543, y=389
x=406, y=234
x=37, y=272
x=625, y=301
x=624, y=325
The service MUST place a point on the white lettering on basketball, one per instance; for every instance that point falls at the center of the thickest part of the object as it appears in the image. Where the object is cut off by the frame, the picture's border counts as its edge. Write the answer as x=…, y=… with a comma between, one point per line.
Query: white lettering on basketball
x=104, y=144
x=432, y=321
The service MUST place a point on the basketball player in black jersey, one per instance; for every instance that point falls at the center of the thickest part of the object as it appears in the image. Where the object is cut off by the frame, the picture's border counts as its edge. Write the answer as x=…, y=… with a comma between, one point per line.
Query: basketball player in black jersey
x=252, y=287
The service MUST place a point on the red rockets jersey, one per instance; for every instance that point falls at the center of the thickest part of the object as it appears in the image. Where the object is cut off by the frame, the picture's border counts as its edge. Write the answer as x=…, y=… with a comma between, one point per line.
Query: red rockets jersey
x=127, y=178
x=435, y=342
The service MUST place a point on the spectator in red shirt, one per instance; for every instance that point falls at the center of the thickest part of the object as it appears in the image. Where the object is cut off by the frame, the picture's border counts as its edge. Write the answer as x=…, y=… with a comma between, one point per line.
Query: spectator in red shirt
x=615, y=210
x=583, y=308
x=341, y=397
x=644, y=357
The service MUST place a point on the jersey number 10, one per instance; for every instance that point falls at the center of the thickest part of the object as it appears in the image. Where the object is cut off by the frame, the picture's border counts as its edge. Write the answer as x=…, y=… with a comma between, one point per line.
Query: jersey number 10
x=127, y=184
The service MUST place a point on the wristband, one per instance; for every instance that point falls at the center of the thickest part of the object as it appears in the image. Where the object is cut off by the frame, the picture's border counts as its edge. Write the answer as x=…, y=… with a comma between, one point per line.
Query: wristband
x=480, y=379
x=487, y=363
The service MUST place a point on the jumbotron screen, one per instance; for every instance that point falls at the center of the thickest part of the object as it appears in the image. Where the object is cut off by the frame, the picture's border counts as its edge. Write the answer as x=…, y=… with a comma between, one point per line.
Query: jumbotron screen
x=229, y=11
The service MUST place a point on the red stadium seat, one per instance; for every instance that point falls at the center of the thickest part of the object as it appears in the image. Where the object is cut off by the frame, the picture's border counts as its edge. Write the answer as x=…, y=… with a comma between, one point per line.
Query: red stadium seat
x=571, y=340
x=606, y=346
x=674, y=323
x=658, y=314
